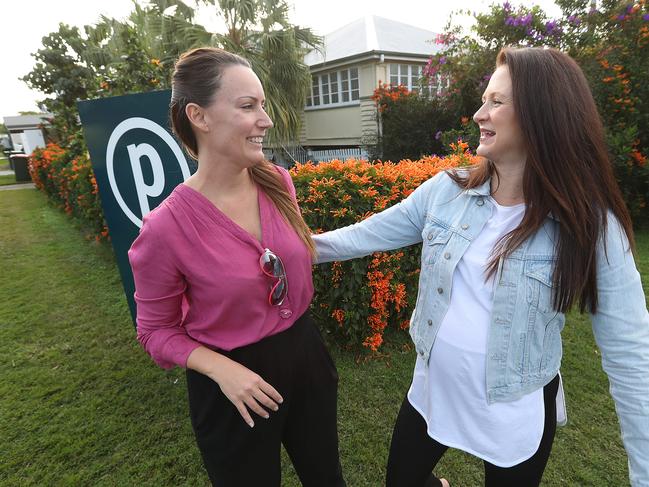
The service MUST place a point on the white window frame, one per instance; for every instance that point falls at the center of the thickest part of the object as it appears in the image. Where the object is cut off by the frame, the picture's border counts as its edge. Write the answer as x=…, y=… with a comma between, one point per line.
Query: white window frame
x=324, y=82
x=413, y=74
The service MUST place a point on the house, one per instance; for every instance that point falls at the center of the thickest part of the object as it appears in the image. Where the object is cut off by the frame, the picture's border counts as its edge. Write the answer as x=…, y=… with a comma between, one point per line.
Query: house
x=339, y=111
x=26, y=131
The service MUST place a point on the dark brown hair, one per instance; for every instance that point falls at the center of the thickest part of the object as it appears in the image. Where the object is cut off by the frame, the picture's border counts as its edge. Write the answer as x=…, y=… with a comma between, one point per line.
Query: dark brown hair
x=197, y=79
x=567, y=174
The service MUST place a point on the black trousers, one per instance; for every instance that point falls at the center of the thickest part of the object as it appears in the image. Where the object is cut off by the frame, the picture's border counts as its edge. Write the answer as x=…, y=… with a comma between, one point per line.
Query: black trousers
x=297, y=364
x=414, y=454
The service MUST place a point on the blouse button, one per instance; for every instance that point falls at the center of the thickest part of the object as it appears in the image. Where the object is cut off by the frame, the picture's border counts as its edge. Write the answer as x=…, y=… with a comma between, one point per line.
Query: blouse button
x=447, y=255
x=285, y=313
x=480, y=202
x=430, y=322
x=465, y=226
x=430, y=236
x=440, y=290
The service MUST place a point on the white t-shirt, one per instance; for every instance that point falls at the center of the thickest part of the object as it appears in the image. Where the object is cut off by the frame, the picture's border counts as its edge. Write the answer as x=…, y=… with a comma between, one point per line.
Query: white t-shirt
x=450, y=393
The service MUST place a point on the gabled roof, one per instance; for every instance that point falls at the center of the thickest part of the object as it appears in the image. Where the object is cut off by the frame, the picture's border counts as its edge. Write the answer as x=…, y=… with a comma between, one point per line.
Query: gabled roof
x=372, y=34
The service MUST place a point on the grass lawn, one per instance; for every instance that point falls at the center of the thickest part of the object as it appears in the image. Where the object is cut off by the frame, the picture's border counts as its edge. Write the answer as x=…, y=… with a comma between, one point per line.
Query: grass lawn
x=81, y=403
x=7, y=179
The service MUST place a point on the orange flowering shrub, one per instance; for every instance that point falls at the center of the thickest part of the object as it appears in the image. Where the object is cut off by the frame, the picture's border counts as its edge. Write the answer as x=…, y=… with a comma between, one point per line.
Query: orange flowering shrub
x=70, y=184
x=357, y=301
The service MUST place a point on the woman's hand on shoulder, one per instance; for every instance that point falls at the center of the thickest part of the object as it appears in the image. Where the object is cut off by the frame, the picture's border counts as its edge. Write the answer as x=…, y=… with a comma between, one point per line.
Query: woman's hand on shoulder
x=247, y=390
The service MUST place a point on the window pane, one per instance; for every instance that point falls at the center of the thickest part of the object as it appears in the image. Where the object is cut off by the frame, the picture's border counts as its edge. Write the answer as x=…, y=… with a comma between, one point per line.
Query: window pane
x=324, y=87
x=403, y=80
x=345, y=96
x=394, y=80
x=343, y=75
x=355, y=95
x=345, y=85
x=355, y=84
x=353, y=73
x=333, y=80
x=316, y=91
x=394, y=69
x=334, y=98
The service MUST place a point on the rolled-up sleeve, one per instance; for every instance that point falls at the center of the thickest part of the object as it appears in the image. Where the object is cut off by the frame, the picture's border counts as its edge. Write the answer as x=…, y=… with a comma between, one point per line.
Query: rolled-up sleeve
x=621, y=328
x=159, y=289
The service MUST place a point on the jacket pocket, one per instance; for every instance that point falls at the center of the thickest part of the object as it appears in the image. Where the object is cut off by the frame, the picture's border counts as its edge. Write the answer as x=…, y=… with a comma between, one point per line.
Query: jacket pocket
x=541, y=341
x=538, y=284
x=434, y=238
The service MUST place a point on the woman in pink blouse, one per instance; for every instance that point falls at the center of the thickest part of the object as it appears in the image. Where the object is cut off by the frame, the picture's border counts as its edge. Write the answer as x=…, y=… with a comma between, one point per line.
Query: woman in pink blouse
x=223, y=283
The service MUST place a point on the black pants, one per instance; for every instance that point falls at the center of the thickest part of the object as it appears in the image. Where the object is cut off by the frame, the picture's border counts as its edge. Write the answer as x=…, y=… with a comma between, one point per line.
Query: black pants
x=296, y=363
x=414, y=454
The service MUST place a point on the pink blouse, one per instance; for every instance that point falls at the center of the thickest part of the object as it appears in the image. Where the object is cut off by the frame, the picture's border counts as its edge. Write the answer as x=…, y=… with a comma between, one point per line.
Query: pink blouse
x=198, y=280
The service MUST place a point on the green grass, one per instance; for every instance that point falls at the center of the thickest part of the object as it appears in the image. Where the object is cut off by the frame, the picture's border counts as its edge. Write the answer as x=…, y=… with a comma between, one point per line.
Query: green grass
x=81, y=403
x=7, y=179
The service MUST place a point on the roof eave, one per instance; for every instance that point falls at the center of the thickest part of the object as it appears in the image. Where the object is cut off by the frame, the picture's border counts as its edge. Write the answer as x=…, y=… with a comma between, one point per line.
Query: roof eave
x=369, y=56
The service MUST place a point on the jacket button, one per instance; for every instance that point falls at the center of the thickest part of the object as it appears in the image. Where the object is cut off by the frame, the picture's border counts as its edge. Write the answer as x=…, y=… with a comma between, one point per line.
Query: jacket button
x=430, y=322
x=440, y=290
x=421, y=353
x=465, y=226
x=430, y=236
x=447, y=255
x=480, y=202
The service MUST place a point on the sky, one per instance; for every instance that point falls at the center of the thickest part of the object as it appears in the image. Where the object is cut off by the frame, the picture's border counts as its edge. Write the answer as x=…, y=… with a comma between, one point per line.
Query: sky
x=25, y=22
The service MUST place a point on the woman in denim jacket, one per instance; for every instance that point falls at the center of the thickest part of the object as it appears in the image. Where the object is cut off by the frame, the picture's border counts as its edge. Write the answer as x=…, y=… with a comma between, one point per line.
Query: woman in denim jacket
x=509, y=247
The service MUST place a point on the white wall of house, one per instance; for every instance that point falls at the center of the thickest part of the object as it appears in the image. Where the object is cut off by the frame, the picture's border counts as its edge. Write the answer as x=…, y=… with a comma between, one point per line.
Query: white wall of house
x=334, y=126
x=32, y=139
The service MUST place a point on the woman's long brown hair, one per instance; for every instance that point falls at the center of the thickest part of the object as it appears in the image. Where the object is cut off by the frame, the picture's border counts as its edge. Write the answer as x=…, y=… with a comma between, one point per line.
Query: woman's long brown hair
x=197, y=79
x=568, y=173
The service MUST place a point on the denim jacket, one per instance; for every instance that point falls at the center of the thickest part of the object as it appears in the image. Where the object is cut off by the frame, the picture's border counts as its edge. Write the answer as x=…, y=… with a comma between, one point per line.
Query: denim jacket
x=524, y=342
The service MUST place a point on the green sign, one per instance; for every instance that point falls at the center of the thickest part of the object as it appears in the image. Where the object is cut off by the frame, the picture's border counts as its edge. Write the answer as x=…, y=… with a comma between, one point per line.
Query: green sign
x=137, y=163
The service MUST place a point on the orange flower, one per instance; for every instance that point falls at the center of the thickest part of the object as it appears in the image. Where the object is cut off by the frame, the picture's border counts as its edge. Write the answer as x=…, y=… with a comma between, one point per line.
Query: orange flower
x=339, y=316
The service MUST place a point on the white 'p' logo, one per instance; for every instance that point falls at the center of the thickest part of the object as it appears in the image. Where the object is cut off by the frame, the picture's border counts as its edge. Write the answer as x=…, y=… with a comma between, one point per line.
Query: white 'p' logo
x=135, y=153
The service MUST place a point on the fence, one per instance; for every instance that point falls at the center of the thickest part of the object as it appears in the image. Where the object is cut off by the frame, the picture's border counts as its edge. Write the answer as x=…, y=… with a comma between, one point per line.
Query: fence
x=288, y=156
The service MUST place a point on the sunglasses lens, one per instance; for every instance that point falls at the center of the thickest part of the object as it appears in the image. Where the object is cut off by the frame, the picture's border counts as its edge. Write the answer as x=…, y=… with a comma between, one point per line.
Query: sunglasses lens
x=271, y=265
x=278, y=293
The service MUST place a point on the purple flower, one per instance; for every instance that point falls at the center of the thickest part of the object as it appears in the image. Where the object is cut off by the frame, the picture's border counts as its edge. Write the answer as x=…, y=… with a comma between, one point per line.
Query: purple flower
x=645, y=17
x=507, y=6
x=550, y=26
x=486, y=77
x=527, y=20
x=621, y=17
x=509, y=21
x=574, y=20
x=593, y=11
x=442, y=60
x=628, y=8
x=438, y=135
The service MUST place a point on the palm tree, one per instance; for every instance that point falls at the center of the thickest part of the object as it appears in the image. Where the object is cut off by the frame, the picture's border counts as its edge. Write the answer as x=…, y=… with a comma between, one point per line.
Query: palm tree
x=260, y=31
x=115, y=57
